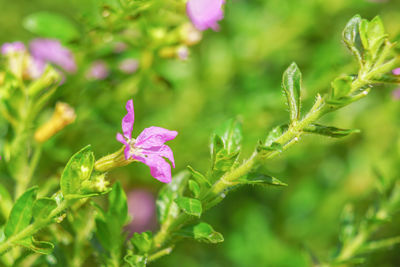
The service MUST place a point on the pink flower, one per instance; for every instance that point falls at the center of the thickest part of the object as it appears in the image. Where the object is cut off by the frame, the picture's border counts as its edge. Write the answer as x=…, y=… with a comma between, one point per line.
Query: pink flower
x=98, y=70
x=396, y=71
x=128, y=65
x=51, y=50
x=205, y=14
x=8, y=48
x=148, y=147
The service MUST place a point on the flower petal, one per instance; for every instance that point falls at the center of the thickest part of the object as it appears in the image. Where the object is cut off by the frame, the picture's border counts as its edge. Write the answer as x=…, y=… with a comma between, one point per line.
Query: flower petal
x=128, y=120
x=159, y=168
x=51, y=50
x=162, y=151
x=204, y=14
x=154, y=137
x=127, y=149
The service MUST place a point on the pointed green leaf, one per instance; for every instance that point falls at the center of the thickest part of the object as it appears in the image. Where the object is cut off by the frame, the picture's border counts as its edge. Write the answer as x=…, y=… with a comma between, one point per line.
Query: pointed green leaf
x=202, y=232
x=261, y=179
x=195, y=188
x=341, y=86
x=231, y=135
x=21, y=213
x=166, y=207
x=291, y=84
x=329, y=130
x=78, y=169
x=118, y=207
x=351, y=37
x=274, y=134
x=200, y=178
x=51, y=25
x=142, y=241
x=42, y=207
x=190, y=206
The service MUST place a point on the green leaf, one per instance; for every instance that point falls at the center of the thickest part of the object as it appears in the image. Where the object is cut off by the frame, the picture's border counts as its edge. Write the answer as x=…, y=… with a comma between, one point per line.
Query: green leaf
x=231, y=135
x=195, y=188
x=202, y=232
x=372, y=35
x=135, y=260
x=273, y=147
x=42, y=207
x=351, y=37
x=291, y=84
x=261, y=179
x=199, y=177
x=329, y=130
x=118, y=207
x=275, y=133
x=78, y=169
x=348, y=228
x=190, y=206
x=21, y=213
x=166, y=207
x=6, y=201
x=142, y=241
x=51, y=25
x=41, y=247
x=342, y=86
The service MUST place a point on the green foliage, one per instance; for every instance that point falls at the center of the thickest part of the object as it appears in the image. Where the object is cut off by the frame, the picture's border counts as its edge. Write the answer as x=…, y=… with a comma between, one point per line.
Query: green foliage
x=51, y=25
x=202, y=232
x=291, y=84
x=142, y=242
x=329, y=130
x=190, y=206
x=21, y=213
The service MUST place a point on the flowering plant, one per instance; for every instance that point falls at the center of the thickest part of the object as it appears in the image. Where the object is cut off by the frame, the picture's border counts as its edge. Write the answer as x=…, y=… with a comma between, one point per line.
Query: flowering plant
x=80, y=215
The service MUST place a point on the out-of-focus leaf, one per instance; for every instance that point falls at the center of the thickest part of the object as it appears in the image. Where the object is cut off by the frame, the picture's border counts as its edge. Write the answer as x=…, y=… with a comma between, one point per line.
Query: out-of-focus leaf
x=21, y=213
x=51, y=25
x=329, y=130
x=291, y=84
x=202, y=232
x=78, y=169
x=142, y=241
x=190, y=206
x=274, y=134
x=118, y=208
x=348, y=227
x=166, y=207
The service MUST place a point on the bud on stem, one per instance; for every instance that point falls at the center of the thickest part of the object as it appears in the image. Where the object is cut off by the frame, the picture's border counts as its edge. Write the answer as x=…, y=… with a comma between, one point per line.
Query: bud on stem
x=62, y=116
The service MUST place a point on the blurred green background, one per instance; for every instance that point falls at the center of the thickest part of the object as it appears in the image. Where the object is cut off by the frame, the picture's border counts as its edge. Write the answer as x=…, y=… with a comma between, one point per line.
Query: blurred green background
x=237, y=72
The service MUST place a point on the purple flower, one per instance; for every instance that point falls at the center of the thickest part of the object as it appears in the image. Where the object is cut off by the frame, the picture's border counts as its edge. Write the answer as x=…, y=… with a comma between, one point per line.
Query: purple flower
x=98, y=70
x=148, y=147
x=205, y=14
x=142, y=208
x=396, y=71
x=50, y=50
x=128, y=65
x=8, y=48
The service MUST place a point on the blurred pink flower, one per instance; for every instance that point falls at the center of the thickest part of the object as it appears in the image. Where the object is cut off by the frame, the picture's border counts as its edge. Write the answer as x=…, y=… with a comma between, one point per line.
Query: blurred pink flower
x=396, y=71
x=98, y=70
x=51, y=50
x=396, y=94
x=129, y=65
x=205, y=14
x=148, y=147
x=8, y=48
x=142, y=208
